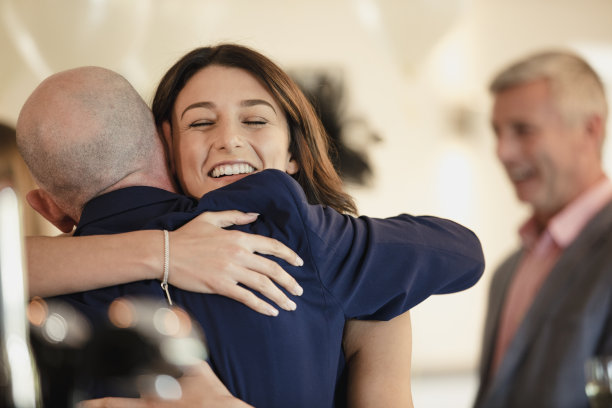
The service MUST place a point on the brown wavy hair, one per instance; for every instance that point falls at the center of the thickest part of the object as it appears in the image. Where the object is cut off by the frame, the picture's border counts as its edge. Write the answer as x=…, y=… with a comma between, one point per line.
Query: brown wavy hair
x=309, y=143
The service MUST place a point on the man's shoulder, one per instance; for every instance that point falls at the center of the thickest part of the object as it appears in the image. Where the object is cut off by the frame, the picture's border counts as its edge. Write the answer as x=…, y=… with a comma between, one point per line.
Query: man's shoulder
x=597, y=233
x=506, y=268
x=128, y=196
x=602, y=219
x=129, y=209
x=258, y=191
x=270, y=181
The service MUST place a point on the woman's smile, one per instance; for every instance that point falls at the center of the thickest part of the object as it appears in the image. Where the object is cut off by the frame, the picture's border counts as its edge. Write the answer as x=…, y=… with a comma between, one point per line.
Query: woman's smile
x=226, y=125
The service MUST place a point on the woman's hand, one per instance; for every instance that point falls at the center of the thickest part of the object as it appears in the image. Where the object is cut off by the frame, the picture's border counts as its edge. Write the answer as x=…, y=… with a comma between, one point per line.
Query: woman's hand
x=208, y=259
x=200, y=388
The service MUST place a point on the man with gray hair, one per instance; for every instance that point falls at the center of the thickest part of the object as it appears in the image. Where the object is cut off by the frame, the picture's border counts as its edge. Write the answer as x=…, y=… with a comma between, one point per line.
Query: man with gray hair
x=550, y=304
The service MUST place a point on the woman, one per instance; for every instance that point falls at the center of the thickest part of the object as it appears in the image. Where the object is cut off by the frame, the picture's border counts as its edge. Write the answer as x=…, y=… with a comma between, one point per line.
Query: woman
x=181, y=114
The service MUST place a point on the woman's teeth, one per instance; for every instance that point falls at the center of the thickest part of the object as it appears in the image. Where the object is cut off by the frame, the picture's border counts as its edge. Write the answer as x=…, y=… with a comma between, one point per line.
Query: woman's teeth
x=231, y=169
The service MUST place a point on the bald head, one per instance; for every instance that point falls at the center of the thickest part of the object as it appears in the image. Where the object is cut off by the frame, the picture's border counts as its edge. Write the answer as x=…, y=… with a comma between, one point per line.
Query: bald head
x=84, y=130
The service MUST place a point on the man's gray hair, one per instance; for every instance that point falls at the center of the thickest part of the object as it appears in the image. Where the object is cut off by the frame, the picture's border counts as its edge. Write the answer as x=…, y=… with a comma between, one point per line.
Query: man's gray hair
x=575, y=86
x=82, y=131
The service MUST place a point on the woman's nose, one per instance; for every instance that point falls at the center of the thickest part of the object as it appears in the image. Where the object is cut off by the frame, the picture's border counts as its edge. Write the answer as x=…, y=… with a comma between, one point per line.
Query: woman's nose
x=228, y=137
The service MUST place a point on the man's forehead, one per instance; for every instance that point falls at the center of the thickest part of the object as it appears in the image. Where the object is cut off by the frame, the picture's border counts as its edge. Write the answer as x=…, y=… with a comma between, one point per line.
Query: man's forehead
x=523, y=101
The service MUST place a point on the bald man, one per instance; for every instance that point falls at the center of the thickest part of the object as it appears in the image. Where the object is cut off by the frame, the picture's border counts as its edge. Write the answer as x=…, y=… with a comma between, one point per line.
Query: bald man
x=89, y=140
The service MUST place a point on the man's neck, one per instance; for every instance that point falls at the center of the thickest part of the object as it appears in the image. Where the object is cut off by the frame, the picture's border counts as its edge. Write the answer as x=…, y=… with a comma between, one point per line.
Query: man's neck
x=147, y=179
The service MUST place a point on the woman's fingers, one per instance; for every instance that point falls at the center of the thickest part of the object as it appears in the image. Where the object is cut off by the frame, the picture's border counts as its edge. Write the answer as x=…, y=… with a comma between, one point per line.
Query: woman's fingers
x=224, y=219
x=249, y=299
x=252, y=260
x=208, y=259
x=270, y=246
x=261, y=244
x=114, y=403
x=259, y=283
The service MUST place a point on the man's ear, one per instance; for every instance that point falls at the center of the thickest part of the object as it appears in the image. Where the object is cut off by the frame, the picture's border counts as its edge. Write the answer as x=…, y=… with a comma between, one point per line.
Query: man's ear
x=167, y=139
x=42, y=202
x=595, y=130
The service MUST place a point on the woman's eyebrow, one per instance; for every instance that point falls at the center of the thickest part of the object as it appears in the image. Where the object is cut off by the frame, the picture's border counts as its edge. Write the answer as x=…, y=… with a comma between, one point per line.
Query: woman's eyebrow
x=208, y=105
x=253, y=102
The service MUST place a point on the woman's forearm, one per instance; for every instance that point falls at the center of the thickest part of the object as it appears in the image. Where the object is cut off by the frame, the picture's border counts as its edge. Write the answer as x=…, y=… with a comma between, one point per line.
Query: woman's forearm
x=61, y=265
x=378, y=362
x=203, y=257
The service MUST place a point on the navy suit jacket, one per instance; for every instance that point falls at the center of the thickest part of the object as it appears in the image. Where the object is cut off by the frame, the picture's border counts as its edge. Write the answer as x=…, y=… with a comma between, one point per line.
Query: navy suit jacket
x=361, y=268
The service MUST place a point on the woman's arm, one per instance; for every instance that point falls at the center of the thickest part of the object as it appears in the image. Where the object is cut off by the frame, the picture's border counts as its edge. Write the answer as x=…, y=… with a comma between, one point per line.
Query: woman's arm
x=203, y=258
x=378, y=357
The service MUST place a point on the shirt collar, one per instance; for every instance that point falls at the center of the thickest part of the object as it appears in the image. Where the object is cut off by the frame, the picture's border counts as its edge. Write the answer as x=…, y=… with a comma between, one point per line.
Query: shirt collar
x=124, y=199
x=565, y=226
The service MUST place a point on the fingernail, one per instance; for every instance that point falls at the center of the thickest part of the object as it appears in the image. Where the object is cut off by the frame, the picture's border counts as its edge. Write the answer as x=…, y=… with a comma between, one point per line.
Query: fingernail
x=272, y=311
x=297, y=290
x=290, y=305
x=252, y=214
x=299, y=261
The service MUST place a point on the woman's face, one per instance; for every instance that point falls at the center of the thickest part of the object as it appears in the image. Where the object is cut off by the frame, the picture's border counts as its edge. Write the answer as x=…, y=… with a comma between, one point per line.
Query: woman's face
x=226, y=125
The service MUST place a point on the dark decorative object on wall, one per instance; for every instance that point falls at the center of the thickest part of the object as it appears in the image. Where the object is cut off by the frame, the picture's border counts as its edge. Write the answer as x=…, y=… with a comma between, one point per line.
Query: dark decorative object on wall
x=8, y=150
x=351, y=137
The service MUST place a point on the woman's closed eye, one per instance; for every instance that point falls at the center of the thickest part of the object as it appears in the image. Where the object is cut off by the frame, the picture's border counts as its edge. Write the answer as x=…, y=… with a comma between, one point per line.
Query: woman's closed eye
x=255, y=122
x=201, y=123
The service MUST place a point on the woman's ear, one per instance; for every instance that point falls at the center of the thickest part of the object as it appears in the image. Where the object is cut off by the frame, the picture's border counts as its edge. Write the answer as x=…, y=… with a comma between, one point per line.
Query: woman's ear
x=167, y=138
x=292, y=166
x=42, y=202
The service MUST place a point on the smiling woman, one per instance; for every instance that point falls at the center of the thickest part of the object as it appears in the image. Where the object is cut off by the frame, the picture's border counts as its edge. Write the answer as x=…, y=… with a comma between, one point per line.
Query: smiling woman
x=225, y=125
x=308, y=142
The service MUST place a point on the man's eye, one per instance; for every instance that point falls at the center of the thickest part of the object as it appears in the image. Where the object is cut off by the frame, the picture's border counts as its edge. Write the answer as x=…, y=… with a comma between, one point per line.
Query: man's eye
x=496, y=131
x=523, y=129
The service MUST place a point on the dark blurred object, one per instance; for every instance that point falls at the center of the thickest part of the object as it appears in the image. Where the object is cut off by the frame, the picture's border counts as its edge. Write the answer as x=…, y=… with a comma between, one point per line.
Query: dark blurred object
x=351, y=137
x=58, y=334
x=143, y=348
x=18, y=376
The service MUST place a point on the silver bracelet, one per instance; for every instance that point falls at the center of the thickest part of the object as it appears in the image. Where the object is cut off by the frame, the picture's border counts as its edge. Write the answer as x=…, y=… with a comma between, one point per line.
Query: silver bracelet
x=164, y=282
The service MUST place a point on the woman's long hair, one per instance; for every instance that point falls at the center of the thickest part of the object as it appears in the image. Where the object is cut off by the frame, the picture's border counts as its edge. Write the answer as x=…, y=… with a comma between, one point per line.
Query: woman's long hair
x=309, y=144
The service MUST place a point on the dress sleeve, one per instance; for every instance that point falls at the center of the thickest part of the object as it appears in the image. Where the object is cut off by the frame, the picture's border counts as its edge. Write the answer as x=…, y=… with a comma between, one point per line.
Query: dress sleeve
x=379, y=268
x=374, y=268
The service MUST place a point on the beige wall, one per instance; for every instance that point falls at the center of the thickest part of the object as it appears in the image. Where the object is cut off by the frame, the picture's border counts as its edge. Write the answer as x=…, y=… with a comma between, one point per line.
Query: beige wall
x=414, y=68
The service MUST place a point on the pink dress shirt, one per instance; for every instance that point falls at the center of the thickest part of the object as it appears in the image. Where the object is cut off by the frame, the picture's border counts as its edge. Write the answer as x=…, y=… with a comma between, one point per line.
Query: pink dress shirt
x=540, y=255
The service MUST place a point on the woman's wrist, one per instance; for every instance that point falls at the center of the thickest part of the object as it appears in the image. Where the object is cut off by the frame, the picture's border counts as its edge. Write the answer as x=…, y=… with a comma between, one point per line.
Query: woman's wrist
x=151, y=248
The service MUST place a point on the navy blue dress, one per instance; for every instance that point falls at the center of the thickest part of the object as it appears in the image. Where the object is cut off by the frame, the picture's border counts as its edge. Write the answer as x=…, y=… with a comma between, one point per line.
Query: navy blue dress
x=364, y=268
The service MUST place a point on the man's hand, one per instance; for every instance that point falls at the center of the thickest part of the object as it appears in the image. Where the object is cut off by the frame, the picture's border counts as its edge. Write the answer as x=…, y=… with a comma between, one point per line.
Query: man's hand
x=208, y=259
x=200, y=388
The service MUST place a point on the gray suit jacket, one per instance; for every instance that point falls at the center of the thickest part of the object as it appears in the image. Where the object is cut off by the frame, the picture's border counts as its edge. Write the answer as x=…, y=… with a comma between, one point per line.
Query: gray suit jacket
x=569, y=321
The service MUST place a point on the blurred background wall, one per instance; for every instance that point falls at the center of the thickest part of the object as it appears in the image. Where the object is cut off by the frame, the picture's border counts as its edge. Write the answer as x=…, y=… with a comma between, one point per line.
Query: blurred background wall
x=414, y=75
